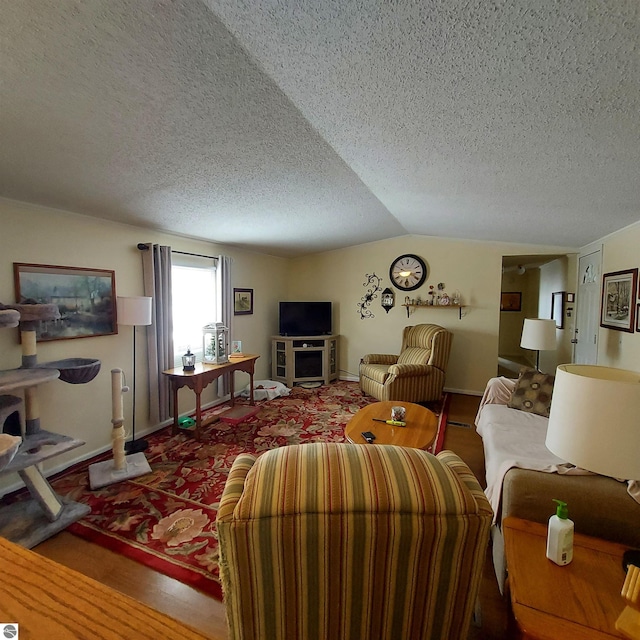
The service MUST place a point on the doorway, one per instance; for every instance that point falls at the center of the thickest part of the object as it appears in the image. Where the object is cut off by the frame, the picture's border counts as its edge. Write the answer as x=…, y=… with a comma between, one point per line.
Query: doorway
x=588, y=309
x=529, y=278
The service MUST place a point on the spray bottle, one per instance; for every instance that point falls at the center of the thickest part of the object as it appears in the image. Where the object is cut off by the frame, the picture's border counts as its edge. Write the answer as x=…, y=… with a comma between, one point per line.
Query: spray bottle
x=560, y=535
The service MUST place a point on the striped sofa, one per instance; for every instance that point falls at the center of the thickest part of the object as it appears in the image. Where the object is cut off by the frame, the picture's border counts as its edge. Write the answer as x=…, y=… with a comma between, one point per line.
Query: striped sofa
x=417, y=374
x=347, y=541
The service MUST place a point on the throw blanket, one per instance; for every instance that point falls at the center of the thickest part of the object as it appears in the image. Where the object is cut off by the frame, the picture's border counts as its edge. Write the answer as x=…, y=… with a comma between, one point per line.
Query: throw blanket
x=514, y=438
x=508, y=443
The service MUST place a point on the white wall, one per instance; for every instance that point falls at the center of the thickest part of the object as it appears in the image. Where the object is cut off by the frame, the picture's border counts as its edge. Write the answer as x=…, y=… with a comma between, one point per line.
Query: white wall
x=621, y=251
x=44, y=236
x=555, y=276
x=474, y=268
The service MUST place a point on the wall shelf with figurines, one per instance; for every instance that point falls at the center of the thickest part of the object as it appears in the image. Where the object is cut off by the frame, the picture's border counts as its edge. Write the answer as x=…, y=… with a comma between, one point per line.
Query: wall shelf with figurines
x=438, y=299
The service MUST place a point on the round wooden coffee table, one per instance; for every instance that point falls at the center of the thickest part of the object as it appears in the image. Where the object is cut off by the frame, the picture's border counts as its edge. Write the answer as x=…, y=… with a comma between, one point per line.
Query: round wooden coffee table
x=421, y=429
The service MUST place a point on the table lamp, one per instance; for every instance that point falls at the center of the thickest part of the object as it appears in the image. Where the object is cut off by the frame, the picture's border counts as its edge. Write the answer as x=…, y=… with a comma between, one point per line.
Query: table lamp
x=134, y=311
x=594, y=423
x=539, y=335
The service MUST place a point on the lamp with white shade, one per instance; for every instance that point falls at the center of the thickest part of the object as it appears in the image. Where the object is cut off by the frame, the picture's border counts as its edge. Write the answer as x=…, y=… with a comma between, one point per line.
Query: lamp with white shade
x=594, y=423
x=134, y=311
x=539, y=335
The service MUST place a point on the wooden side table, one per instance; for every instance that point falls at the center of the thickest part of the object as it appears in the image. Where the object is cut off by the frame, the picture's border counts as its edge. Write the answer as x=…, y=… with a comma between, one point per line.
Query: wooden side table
x=198, y=379
x=549, y=602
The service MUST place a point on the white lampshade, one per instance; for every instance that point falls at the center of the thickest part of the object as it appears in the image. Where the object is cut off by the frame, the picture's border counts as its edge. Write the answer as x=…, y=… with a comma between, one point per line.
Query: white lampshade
x=134, y=311
x=538, y=334
x=594, y=420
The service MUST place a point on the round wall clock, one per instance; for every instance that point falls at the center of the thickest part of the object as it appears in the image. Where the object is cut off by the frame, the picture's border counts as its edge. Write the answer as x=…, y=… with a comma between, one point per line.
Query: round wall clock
x=408, y=272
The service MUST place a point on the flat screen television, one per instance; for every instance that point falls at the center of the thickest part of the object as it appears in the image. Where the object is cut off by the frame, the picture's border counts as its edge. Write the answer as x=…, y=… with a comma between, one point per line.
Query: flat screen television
x=305, y=318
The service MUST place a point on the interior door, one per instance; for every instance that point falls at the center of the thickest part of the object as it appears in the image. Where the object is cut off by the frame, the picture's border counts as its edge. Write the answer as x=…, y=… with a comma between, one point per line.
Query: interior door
x=588, y=309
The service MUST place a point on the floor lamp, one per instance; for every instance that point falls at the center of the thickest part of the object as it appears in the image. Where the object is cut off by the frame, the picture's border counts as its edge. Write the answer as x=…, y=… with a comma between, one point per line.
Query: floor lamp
x=134, y=312
x=539, y=335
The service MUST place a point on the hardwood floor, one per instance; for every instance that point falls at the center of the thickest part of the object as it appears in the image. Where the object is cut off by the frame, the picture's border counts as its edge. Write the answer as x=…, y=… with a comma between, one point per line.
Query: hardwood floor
x=207, y=615
x=494, y=608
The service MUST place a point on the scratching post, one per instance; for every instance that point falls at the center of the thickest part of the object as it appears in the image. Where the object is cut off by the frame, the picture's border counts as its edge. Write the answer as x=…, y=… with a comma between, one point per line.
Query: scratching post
x=117, y=419
x=122, y=467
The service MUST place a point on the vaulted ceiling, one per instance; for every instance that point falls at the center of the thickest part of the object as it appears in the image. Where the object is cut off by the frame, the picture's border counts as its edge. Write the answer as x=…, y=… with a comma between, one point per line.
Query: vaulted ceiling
x=297, y=126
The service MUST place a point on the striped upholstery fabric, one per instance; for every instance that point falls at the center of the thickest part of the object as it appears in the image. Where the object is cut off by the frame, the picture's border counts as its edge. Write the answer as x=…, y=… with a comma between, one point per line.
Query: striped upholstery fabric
x=346, y=541
x=417, y=374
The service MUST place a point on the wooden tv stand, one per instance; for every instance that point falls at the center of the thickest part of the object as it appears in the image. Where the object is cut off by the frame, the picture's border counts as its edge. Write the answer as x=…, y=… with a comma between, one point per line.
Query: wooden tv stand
x=297, y=359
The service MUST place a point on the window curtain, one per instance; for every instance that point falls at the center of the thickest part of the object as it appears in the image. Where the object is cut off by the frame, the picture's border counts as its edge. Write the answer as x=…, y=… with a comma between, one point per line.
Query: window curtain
x=225, y=305
x=156, y=267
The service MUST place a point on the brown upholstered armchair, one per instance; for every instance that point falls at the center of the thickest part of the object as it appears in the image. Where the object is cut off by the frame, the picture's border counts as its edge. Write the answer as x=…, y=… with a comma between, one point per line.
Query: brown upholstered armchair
x=417, y=374
x=335, y=540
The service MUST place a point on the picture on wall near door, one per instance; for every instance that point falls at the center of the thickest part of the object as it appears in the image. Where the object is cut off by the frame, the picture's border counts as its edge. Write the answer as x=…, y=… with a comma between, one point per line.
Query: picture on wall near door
x=242, y=302
x=618, y=305
x=86, y=299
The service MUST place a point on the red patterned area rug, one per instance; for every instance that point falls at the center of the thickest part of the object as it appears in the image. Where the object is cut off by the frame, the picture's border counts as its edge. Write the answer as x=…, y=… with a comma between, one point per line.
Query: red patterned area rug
x=166, y=519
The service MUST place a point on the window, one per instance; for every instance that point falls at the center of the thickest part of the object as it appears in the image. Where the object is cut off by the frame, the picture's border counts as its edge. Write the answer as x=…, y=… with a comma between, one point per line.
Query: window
x=194, y=305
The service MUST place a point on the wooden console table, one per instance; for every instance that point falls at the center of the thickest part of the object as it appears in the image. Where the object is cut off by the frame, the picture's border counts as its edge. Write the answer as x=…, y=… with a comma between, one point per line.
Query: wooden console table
x=201, y=377
x=579, y=600
x=49, y=600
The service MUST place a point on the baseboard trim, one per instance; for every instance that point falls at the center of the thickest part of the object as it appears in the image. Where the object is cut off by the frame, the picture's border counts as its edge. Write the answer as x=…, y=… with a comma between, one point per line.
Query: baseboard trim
x=465, y=392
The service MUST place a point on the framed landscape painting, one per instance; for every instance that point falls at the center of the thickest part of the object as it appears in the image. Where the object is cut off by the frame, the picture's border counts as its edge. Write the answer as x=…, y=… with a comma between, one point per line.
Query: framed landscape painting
x=618, y=305
x=86, y=299
x=242, y=302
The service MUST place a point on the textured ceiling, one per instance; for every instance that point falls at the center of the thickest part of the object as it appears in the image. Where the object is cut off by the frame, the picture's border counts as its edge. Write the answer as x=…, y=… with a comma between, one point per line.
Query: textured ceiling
x=299, y=126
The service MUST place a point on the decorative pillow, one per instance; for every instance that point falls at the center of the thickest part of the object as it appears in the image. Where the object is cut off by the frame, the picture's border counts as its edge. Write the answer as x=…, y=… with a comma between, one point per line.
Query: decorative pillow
x=414, y=355
x=532, y=393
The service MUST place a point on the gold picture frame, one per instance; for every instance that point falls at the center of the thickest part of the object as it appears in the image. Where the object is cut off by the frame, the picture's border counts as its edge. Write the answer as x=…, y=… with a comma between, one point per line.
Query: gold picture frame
x=86, y=299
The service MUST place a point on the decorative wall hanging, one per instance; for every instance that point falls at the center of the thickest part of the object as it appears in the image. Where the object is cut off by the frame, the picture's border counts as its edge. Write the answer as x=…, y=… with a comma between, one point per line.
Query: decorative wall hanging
x=373, y=286
x=86, y=299
x=387, y=299
x=618, y=304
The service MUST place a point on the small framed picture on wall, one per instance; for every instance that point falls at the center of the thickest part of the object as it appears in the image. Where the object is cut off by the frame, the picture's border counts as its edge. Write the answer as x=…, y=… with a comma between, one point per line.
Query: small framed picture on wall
x=242, y=302
x=511, y=301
